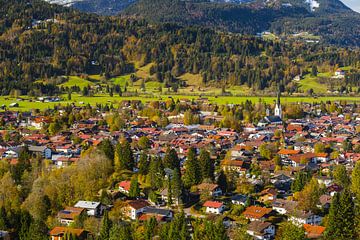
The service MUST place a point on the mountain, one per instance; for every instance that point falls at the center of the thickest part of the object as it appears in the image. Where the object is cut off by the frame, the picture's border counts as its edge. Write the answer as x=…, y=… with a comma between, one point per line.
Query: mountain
x=330, y=19
x=101, y=7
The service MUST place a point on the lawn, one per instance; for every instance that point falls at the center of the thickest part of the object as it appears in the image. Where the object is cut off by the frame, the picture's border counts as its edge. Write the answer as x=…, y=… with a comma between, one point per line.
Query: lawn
x=78, y=81
x=79, y=100
x=309, y=82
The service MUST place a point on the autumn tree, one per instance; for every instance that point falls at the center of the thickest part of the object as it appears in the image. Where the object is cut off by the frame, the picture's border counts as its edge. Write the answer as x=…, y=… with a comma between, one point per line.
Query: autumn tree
x=289, y=231
x=310, y=196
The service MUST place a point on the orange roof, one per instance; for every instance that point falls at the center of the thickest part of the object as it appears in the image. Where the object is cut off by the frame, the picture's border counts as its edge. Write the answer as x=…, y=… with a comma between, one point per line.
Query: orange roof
x=145, y=217
x=62, y=230
x=70, y=212
x=256, y=212
x=313, y=231
x=212, y=204
x=125, y=185
x=288, y=152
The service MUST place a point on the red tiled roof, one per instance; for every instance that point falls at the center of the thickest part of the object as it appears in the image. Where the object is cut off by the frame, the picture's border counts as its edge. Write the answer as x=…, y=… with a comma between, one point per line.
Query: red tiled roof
x=314, y=231
x=62, y=230
x=212, y=204
x=256, y=212
x=125, y=185
x=288, y=152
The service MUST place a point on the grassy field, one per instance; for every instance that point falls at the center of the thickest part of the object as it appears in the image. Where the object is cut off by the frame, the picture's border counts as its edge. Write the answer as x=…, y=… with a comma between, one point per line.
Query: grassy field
x=28, y=104
x=309, y=82
x=80, y=82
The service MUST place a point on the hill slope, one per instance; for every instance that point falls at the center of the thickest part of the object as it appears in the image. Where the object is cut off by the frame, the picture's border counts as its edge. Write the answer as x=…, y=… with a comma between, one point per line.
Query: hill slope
x=328, y=18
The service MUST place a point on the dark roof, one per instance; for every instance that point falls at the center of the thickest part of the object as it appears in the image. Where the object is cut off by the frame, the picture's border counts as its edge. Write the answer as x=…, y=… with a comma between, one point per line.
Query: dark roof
x=273, y=119
x=239, y=197
x=157, y=211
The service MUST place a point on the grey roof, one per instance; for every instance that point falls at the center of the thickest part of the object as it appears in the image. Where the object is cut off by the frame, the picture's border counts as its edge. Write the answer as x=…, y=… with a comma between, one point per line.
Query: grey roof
x=87, y=204
x=273, y=119
x=158, y=211
x=37, y=148
x=239, y=197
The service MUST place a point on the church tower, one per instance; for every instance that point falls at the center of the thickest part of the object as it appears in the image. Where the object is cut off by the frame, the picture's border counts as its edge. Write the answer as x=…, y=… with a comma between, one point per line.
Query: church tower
x=278, y=110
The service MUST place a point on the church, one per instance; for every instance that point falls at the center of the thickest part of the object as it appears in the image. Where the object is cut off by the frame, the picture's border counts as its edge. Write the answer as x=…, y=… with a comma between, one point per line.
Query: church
x=273, y=119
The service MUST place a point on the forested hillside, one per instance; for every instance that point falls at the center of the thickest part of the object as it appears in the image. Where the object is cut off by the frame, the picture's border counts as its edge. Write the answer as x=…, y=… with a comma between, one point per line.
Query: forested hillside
x=330, y=19
x=41, y=41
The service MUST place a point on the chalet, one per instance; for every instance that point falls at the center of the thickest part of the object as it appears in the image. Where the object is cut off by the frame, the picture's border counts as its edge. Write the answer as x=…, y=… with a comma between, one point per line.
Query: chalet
x=95, y=209
x=267, y=195
x=299, y=217
x=213, y=189
x=69, y=215
x=135, y=208
x=256, y=213
x=238, y=166
x=158, y=213
x=239, y=199
x=4, y=235
x=339, y=73
x=42, y=151
x=283, y=206
x=124, y=186
x=214, y=207
x=164, y=197
x=314, y=232
x=58, y=233
x=261, y=230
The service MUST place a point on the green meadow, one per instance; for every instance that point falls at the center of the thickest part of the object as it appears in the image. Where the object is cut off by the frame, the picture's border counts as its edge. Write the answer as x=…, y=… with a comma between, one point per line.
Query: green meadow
x=27, y=103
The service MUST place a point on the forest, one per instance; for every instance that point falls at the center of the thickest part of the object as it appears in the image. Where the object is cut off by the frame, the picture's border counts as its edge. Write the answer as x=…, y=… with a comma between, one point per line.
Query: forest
x=46, y=41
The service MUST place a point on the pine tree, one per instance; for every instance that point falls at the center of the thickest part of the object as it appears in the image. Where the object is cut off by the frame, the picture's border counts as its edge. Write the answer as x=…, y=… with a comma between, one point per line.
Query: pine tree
x=37, y=230
x=222, y=181
x=347, y=215
x=169, y=195
x=155, y=175
x=341, y=222
x=134, y=191
x=124, y=159
x=176, y=185
x=108, y=149
x=207, y=165
x=171, y=159
x=3, y=219
x=150, y=228
x=355, y=181
x=192, y=174
x=341, y=176
x=333, y=229
x=143, y=164
x=105, y=227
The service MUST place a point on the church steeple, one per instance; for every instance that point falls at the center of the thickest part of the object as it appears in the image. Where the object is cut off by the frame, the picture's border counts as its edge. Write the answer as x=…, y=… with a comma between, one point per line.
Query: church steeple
x=278, y=110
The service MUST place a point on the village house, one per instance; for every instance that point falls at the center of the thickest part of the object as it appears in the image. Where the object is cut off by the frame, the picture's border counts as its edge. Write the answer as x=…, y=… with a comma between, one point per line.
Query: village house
x=159, y=213
x=214, y=207
x=213, y=189
x=94, y=209
x=300, y=217
x=256, y=213
x=314, y=232
x=4, y=235
x=261, y=230
x=135, y=208
x=58, y=233
x=124, y=186
x=239, y=199
x=69, y=215
x=41, y=151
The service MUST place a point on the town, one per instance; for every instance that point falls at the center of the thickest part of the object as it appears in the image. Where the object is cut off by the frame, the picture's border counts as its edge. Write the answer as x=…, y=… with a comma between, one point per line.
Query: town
x=176, y=169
